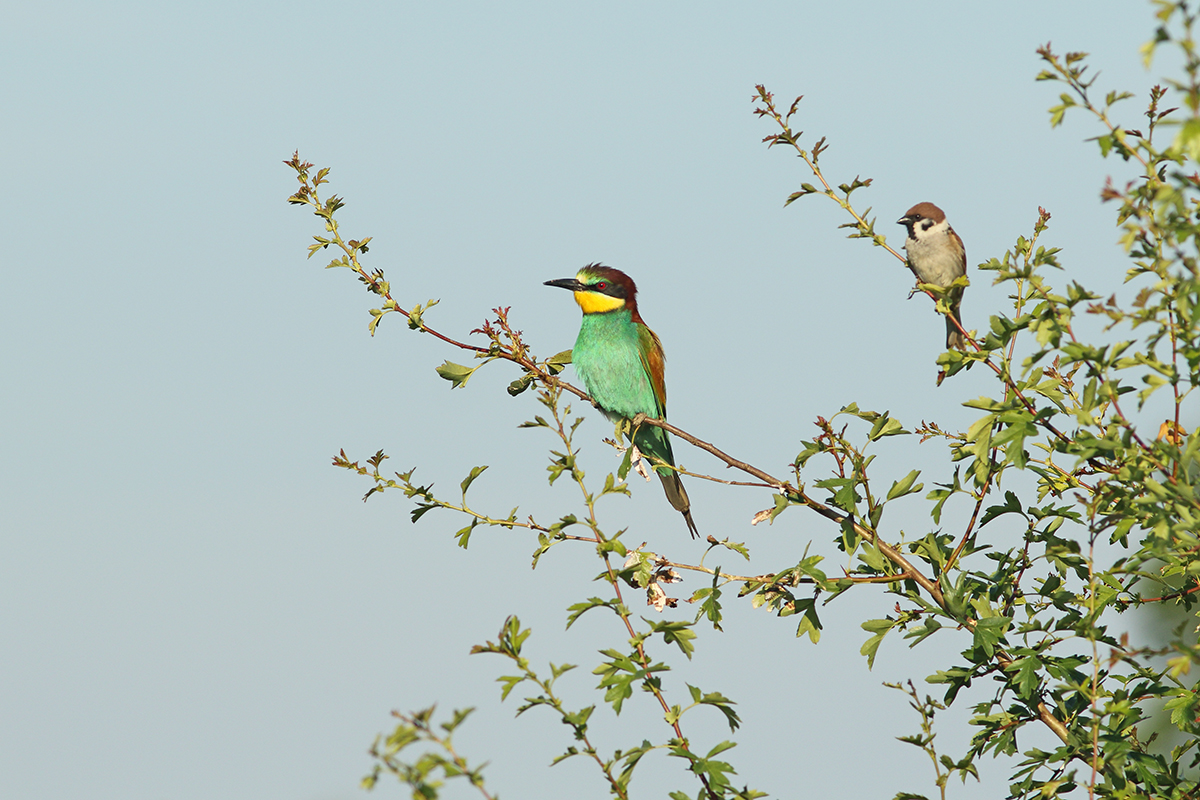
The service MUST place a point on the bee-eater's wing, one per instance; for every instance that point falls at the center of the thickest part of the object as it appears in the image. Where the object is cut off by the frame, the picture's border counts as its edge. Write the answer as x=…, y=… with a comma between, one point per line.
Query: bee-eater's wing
x=655, y=442
x=651, y=352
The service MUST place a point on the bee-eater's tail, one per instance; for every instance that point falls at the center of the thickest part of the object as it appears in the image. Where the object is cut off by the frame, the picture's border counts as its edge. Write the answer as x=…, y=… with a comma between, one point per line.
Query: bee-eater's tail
x=656, y=446
x=679, y=499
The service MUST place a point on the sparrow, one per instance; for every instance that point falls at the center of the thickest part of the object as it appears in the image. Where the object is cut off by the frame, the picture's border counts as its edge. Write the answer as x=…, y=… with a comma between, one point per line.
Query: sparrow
x=936, y=255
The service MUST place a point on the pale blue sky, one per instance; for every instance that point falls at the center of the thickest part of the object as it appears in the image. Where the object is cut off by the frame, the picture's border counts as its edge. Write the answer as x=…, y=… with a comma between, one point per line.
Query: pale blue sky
x=195, y=604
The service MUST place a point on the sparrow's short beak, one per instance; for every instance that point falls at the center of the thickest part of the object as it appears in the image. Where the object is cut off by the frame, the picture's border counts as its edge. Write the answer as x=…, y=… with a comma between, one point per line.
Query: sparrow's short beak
x=567, y=283
x=903, y=221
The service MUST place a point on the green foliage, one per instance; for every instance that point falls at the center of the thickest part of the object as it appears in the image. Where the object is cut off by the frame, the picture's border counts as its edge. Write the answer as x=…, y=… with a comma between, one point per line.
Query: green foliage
x=1100, y=501
x=428, y=773
x=944, y=767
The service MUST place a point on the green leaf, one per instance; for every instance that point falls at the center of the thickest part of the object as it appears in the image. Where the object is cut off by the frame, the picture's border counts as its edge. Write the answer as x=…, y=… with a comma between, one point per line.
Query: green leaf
x=721, y=703
x=880, y=628
x=809, y=622
x=520, y=384
x=467, y=481
x=721, y=748
x=509, y=683
x=626, y=464
x=1188, y=139
x=919, y=635
x=457, y=374
x=956, y=677
x=460, y=716
x=570, y=751
x=557, y=671
x=612, y=487
x=1027, y=678
x=678, y=632
x=988, y=633
x=1012, y=505
x=710, y=606
x=577, y=610
x=416, y=313
x=905, y=485
x=617, y=677
x=885, y=426
x=464, y=535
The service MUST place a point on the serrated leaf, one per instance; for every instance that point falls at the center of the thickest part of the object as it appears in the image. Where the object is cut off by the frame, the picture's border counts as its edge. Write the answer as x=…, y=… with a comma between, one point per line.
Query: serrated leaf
x=880, y=628
x=810, y=623
x=475, y=473
x=464, y=535
x=1028, y=678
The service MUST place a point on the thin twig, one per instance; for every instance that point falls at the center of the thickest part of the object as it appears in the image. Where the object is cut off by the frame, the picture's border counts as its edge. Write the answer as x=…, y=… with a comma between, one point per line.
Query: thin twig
x=970, y=525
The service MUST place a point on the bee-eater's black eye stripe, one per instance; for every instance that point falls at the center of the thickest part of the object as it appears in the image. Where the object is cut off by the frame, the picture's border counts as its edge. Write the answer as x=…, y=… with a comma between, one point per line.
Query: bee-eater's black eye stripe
x=610, y=289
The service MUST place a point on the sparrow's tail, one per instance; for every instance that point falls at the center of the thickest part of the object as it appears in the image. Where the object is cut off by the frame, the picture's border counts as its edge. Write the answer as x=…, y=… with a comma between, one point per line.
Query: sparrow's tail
x=677, y=495
x=954, y=338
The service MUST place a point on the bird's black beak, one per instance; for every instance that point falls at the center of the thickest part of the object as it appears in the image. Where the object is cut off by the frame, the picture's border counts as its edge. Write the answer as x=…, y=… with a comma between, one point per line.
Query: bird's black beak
x=567, y=283
x=904, y=221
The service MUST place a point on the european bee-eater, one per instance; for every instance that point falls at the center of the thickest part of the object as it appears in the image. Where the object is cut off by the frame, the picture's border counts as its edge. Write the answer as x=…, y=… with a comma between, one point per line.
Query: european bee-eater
x=622, y=365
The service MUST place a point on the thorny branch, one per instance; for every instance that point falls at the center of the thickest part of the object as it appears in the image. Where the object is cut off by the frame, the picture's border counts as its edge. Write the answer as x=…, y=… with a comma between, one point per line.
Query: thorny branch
x=516, y=353
x=622, y=611
x=865, y=228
